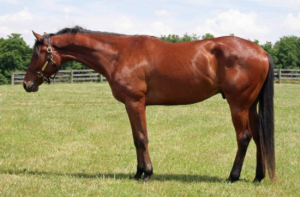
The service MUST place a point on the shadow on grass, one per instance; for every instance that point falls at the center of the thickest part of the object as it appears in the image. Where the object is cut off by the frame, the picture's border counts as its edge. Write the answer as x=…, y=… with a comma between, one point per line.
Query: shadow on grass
x=120, y=176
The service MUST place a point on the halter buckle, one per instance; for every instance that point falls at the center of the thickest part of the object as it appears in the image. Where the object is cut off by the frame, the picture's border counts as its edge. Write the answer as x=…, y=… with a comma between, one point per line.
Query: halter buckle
x=49, y=50
x=39, y=74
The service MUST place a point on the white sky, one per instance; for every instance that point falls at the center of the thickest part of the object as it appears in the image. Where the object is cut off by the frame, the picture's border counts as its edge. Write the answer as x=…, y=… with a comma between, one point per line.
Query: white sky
x=265, y=20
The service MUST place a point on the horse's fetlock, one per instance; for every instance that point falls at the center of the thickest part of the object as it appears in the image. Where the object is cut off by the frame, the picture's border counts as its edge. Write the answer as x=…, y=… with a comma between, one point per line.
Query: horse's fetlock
x=233, y=177
x=148, y=171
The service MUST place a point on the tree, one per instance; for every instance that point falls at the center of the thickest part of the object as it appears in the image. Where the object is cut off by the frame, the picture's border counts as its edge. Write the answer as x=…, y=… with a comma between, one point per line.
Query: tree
x=189, y=38
x=207, y=36
x=256, y=41
x=269, y=48
x=175, y=38
x=73, y=66
x=287, y=51
x=14, y=56
x=170, y=38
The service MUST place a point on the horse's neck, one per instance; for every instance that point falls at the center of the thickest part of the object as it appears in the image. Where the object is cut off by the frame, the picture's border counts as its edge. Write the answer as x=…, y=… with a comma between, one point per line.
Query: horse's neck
x=96, y=51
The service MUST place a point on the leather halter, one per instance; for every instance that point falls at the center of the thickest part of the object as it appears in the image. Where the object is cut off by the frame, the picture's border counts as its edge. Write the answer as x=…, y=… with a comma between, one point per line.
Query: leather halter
x=40, y=74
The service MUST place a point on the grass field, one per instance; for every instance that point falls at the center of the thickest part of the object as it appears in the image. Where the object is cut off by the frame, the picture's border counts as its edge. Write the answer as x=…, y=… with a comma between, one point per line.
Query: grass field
x=75, y=140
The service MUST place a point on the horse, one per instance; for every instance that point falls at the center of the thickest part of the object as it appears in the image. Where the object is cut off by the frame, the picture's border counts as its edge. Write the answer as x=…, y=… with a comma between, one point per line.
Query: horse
x=144, y=70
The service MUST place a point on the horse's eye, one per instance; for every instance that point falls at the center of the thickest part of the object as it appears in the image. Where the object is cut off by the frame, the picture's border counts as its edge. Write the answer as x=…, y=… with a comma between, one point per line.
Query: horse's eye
x=35, y=55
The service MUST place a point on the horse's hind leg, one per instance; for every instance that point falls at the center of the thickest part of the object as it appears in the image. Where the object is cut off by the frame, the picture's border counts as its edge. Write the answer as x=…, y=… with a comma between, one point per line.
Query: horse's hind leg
x=137, y=116
x=254, y=127
x=241, y=123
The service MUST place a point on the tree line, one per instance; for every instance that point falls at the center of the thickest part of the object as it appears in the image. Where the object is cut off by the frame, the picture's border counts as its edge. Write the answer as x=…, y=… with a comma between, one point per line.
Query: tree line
x=15, y=54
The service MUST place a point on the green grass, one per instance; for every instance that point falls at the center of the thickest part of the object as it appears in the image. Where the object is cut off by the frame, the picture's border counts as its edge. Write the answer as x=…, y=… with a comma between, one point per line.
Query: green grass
x=75, y=140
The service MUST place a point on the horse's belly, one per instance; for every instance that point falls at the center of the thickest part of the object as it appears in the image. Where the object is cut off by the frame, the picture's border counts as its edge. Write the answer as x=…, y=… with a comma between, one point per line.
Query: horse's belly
x=174, y=93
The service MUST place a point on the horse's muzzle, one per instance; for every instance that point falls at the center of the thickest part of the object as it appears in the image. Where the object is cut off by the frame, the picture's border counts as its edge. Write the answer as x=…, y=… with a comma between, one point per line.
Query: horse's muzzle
x=30, y=86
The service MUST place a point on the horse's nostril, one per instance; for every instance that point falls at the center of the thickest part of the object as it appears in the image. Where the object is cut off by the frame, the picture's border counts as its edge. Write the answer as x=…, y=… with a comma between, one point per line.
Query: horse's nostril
x=24, y=85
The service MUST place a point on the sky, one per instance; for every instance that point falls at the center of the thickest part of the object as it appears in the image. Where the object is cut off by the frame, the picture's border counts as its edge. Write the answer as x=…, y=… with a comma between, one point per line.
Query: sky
x=265, y=20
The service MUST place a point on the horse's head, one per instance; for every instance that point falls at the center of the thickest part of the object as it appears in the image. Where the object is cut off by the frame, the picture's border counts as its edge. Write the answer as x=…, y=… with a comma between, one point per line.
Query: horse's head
x=45, y=61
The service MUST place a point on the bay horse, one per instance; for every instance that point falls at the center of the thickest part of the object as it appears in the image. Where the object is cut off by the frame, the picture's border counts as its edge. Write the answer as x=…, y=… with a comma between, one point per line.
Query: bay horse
x=144, y=70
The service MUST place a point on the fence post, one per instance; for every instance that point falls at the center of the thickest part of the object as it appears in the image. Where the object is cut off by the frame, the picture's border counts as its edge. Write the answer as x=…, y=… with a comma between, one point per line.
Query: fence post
x=101, y=78
x=12, y=79
x=279, y=75
x=72, y=76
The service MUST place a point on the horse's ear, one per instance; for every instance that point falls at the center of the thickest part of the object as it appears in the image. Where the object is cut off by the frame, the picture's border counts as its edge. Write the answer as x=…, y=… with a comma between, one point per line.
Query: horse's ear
x=38, y=36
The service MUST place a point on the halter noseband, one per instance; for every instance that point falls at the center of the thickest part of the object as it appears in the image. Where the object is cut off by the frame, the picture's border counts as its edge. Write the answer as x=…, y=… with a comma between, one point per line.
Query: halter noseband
x=40, y=74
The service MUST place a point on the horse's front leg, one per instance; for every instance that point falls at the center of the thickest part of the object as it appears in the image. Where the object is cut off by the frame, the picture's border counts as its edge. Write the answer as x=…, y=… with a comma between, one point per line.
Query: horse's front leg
x=137, y=115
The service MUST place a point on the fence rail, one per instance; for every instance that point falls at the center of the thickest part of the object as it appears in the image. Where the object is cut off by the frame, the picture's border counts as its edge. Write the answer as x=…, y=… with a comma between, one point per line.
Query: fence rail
x=87, y=75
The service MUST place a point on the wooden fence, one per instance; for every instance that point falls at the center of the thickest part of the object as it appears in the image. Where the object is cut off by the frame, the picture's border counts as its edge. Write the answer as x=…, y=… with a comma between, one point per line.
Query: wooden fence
x=74, y=76
x=287, y=75
x=65, y=76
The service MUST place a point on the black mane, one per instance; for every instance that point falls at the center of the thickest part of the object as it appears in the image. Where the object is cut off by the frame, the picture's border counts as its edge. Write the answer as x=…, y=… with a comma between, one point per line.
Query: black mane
x=78, y=29
x=74, y=30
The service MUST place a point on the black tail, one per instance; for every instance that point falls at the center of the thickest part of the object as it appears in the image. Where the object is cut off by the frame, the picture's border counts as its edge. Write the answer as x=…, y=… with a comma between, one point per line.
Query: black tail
x=266, y=120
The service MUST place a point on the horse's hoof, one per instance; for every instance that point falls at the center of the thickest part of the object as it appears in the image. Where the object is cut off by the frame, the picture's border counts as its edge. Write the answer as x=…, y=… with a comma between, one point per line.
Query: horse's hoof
x=146, y=177
x=138, y=175
x=256, y=180
x=231, y=180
